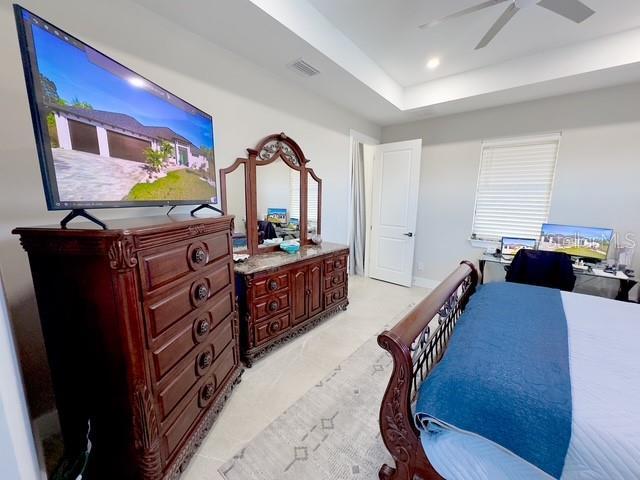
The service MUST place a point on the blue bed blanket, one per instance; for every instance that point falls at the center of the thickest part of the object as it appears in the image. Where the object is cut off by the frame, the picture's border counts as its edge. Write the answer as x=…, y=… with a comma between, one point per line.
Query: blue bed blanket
x=505, y=375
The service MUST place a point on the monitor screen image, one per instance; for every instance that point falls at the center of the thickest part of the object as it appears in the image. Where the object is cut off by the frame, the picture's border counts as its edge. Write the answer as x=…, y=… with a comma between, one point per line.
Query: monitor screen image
x=277, y=215
x=586, y=242
x=511, y=245
x=106, y=136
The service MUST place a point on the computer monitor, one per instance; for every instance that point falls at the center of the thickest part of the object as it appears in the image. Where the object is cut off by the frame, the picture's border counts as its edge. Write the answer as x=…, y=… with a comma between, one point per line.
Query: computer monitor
x=511, y=245
x=277, y=215
x=583, y=242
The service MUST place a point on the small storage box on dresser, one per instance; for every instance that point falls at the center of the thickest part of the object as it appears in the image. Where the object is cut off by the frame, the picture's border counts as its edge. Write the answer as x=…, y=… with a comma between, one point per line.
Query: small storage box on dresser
x=142, y=336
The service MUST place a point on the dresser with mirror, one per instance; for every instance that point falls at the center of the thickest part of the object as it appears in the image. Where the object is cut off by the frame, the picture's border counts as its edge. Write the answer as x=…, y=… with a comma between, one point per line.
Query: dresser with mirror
x=276, y=197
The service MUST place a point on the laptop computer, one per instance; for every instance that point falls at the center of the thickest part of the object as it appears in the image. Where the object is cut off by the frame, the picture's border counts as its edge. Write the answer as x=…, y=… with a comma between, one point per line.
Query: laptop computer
x=510, y=246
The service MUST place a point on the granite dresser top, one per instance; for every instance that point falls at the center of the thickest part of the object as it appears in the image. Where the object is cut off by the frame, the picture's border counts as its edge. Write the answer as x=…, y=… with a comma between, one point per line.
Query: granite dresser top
x=267, y=261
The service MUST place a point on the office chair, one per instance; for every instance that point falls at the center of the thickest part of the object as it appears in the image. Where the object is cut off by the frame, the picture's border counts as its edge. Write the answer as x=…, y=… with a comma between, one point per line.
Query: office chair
x=544, y=269
x=266, y=231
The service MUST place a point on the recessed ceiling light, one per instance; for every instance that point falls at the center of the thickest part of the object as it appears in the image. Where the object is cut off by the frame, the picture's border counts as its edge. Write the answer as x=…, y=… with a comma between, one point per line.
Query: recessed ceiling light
x=433, y=63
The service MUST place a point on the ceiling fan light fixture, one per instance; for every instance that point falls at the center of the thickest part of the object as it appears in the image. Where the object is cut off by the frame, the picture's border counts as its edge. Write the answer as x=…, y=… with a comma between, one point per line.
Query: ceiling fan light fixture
x=433, y=63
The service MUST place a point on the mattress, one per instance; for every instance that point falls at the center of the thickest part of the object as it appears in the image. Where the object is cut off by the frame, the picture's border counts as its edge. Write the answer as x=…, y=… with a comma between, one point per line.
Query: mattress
x=604, y=362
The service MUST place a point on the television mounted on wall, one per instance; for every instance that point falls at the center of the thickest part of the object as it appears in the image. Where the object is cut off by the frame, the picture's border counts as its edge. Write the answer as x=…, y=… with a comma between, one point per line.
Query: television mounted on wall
x=105, y=135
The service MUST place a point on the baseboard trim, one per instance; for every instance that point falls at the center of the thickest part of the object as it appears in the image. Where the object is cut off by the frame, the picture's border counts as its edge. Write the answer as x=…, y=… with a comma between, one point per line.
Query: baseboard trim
x=425, y=282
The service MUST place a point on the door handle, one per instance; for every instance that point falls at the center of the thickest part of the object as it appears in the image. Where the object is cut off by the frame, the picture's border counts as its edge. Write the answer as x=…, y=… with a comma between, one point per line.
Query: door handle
x=410, y=234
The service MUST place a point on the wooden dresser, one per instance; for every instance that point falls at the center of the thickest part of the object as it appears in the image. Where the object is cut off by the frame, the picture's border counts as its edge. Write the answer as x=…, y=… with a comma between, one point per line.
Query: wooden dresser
x=282, y=295
x=142, y=337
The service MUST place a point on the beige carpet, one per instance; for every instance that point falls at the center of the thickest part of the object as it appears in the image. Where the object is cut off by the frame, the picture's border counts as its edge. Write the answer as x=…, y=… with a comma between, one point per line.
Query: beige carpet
x=330, y=433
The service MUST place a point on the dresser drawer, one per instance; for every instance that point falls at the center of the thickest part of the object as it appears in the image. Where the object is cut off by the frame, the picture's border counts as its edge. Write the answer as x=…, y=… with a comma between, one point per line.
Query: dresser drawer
x=165, y=310
x=198, y=364
x=335, y=263
x=207, y=391
x=194, y=330
x=271, y=328
x=269, y=306
x=269, y=285
x=334, y=296
x=163, y=265
x=335, y=279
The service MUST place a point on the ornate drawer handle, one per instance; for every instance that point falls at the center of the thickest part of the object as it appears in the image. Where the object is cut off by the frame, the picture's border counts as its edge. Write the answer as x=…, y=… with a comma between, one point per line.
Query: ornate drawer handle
x=273, y=285
x=201, y=292
x=336, y=295
x=199, y=256
x=273, y=306
x=203, y=327
x=207, y=392
x=274, y=327
x=205, y=360
x=336, y=280
x=336, y=263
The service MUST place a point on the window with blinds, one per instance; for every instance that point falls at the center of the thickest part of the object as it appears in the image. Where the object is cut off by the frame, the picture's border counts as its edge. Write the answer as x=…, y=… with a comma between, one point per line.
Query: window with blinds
x=513, y=195
x=294, y=197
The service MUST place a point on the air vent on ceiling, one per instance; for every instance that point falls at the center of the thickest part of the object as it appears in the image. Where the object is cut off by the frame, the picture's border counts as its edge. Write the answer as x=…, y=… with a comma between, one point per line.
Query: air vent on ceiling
x=303, y=68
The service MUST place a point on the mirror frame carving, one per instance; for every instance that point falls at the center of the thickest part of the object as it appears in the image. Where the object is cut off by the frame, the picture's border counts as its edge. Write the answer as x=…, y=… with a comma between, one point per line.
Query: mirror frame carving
x=268, y=150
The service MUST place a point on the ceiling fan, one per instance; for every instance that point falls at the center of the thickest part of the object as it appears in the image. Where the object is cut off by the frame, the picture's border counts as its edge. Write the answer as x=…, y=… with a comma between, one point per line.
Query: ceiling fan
x=573, y=10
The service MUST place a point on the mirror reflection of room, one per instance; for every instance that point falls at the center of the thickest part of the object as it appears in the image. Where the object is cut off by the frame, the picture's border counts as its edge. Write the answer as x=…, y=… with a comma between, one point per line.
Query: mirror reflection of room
x=313, y=200
x=237, y=206
x=278, y=201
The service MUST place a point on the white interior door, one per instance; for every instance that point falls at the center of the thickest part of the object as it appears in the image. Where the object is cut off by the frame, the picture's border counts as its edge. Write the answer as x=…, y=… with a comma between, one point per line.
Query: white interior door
x=394, y=210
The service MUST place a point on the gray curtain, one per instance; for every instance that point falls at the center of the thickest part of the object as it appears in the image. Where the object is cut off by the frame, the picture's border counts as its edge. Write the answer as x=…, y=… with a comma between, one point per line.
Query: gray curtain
x=358, y=212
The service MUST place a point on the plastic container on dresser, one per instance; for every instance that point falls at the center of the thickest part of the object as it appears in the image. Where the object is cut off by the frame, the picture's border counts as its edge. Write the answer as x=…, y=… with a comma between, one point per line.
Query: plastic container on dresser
x=142, y=337
x=282, y=295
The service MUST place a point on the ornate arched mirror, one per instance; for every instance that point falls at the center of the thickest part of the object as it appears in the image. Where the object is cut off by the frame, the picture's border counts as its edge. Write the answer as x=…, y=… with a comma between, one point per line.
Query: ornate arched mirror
x=278, y=191
x=282, y=196
x=282, y=201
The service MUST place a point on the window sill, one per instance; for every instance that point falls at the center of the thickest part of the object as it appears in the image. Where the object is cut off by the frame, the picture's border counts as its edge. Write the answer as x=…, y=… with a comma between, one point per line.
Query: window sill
x=484, y=244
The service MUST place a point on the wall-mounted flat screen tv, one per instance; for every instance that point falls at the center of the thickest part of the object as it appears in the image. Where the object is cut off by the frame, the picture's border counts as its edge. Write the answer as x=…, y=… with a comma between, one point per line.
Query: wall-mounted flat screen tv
x=106, y=136
x=583, y=242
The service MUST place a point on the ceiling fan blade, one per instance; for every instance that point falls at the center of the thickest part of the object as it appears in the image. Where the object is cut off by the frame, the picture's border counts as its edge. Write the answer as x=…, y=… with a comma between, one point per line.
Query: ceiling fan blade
x=461, y=13
x=574, y=10
x=499, y=25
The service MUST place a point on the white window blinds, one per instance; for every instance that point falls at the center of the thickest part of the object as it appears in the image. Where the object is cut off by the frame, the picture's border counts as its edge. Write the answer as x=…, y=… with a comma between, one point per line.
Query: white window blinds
x=294, y=194
x=294, y=197
x=513, y=195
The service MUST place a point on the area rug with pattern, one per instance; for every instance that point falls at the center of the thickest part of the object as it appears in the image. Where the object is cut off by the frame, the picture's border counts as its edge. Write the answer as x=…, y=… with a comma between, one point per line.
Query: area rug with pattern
x=330, y=433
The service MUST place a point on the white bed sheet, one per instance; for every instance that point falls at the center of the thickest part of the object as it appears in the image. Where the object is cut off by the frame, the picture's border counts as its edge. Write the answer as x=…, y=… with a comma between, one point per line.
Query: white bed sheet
x=604, y=361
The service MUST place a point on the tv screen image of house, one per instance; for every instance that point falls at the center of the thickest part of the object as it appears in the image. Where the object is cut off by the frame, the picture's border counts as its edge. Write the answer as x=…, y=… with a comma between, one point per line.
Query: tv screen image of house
x=511, y=245
x=106, y=136
x=586, y=242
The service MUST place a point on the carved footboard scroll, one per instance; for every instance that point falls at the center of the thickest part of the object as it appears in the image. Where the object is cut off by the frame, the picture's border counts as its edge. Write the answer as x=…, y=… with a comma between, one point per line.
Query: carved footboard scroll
x=417, y=343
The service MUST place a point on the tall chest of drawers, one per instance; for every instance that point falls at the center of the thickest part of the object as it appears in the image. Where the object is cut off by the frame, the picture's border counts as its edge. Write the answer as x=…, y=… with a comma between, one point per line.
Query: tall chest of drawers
x=142, y=336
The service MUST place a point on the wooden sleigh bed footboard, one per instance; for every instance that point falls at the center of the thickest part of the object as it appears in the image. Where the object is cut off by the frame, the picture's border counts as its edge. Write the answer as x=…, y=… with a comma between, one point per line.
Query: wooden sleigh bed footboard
x=417, y=343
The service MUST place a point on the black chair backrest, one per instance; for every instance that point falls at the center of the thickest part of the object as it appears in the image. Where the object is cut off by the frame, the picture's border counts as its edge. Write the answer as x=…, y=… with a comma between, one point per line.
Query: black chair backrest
x=266, y=230
x=544, y=269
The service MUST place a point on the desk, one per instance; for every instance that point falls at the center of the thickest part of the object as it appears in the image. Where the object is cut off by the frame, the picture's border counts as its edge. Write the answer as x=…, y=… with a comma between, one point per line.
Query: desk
x=626, y=282
x=284, y=232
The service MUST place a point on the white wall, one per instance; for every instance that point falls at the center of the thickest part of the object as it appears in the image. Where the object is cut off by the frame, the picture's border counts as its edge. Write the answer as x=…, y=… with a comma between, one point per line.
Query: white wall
x=597, y=178
x=247, y=103
x=18, y=458
x=236, y=198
